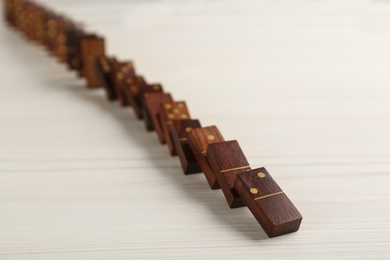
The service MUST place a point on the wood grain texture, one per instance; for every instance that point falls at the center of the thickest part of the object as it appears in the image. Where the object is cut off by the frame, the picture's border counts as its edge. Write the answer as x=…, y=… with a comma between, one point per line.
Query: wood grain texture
x=179, y=131
x=268, y=203
x=227, y=160
x=151, y=104
x=198, y=141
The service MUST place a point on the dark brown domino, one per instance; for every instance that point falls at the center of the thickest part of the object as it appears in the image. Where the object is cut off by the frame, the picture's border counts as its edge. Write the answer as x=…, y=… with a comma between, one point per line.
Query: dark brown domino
x=150, y=106
x=135, y=92
x=198, y=141
x=169, y=111
x=143, y=92
x=120, y=71
x=179, y=133
x=227, y=160
x=103, y=67
x=129, y=87
x=92, y=47
x=73, y=48
x=268, y=203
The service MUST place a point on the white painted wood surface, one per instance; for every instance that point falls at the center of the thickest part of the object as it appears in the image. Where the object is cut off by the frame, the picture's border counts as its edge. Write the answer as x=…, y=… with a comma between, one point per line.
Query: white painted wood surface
x=304, y=86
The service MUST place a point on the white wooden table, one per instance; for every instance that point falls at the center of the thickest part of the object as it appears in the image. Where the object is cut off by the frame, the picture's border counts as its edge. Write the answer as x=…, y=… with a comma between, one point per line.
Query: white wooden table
x=304, y=86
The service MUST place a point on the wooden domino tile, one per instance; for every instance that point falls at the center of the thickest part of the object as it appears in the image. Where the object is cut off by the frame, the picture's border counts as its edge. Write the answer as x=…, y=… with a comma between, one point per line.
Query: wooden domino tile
x=103, y=68
x=169, y=111
x=150, y=106
x=135, y=90
x=144, y=90
x=179, y=133
x=131, y=86
x=198, y=141
x=227, y=160
x=92, y=47
x=73, y=47
x=268, y=203
x=120, y=72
